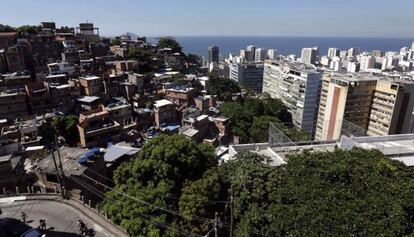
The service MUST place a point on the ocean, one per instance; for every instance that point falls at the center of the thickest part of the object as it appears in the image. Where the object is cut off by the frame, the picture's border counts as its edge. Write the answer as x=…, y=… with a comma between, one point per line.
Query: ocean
x=288, y=45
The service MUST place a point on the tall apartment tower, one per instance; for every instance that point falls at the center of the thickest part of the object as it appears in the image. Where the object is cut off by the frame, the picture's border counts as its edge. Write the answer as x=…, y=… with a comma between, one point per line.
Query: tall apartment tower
x=309, y=55
x=272, y=54
x=333, y=52
x=260, y=55
x=366, y=62
x=249, y=75
x=353, y=52
x=298, y=86
x=213, y=54
x=344, y=98
x=392, y=108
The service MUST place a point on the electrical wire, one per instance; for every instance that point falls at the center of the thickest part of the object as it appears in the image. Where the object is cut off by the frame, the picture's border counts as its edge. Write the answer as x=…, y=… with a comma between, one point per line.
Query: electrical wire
x=206, y=220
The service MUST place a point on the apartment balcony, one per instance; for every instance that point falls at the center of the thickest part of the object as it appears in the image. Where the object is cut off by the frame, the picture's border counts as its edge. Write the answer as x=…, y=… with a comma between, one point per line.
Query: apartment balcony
x=379, y=107
x=385, y=97
x=383, y=102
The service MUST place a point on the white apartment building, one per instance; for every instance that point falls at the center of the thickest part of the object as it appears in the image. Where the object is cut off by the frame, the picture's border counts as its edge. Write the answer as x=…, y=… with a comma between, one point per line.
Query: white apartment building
x=298, y=86
x=309, y=55
x=260, y=55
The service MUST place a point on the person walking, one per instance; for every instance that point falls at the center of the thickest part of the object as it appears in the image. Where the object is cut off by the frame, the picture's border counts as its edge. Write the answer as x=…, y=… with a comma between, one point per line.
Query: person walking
x=42, y=224
x=82, y=227
x=24, y=217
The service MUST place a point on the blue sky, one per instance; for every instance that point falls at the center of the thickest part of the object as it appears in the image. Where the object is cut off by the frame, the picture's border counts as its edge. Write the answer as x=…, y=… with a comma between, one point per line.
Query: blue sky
x=365, y=18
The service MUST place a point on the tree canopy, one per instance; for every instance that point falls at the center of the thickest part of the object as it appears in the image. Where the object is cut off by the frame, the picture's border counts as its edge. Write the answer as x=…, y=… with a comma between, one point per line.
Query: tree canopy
x=143, y=56
x=224, y=88
x=65, y=126
x=27, y=29
x=6, y=28
x=339, y=193
x=169, y=42
x=156, y=175
x=250, y=118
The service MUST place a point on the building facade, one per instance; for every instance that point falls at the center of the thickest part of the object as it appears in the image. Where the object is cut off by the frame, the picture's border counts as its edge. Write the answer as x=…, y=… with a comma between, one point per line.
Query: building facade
x=249, y=75
x=392, y=108
x=343, y=97
x=298, y=86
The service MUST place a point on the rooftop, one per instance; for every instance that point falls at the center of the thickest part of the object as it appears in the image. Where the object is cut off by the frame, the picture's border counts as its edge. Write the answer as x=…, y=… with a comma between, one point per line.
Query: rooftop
x=161, y=103
x=87, y=99
x=115, y=152
x=89, y=78
x=189, y=131
x=69, y=156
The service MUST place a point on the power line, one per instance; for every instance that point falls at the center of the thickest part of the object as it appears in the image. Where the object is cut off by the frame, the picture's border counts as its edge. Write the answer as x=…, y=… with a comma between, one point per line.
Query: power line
x=206, y=220
x=102, y=176
x=147, y=218
x=163, y=224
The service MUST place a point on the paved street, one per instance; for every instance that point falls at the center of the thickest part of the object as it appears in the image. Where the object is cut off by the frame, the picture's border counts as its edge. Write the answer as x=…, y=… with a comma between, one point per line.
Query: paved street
x=63, y=218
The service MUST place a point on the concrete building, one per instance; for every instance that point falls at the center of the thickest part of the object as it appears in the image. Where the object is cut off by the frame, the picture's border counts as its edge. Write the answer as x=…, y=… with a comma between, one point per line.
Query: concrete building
x=298, y=86
x=344, y=97
x=63, y=96
x=325, y=61
x=353, y=67
x=91, y=85
x=333, y=52
x=392, y=108
x=180, y=95
x=353, y=52
x=367, y=62
x=13, y=104
x=252, y=49
x=309, y=55
x=260, y=55
x=62, y=68
x=88, y=32
x=213, y=54
x=15, y=59
x=121, y=112
x=97, y=128
x=272, y=54
x=126, y=66
x=138, y=80
x=336, y=64
x=165, y=112
x=38, y=98
x=7, y=39
x=249, y=75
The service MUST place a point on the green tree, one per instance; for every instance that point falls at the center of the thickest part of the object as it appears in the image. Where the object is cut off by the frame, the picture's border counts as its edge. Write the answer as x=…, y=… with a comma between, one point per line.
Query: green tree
x=203, y=197
x=240, y=121
x=142, y=55
x=169, y=42
x=157, y=175
x=341, y=193
x=66, y=126
x=7, y=28
x=27, y=29
x=259, y=131
x=222, y=87
x=116, y=41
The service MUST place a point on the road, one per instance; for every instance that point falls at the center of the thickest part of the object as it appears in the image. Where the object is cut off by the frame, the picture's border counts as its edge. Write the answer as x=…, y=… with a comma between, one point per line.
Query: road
x=62, y=217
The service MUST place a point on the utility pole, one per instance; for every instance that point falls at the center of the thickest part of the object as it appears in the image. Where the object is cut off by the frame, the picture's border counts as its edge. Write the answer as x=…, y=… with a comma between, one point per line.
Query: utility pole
x=60, y=162
x=58, y=174
x=231, y=212
x=216, y=224
x=62, y=175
